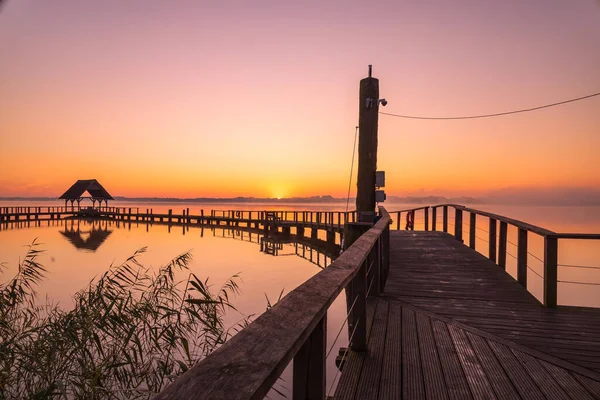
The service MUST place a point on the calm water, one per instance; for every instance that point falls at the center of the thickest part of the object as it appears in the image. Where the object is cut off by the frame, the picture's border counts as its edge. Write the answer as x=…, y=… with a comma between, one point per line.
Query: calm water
x=78, y=251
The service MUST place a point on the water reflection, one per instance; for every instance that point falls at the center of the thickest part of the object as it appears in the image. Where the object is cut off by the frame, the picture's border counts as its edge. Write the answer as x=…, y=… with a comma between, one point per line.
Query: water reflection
x=86, y=235
x=89, y=234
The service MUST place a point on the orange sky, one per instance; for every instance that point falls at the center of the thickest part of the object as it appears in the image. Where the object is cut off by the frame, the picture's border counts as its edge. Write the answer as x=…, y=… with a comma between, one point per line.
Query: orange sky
x=220, y=99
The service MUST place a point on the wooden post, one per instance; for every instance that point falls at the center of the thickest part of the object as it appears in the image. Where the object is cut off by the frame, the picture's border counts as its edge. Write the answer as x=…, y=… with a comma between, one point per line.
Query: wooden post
x=502, y=244
x=458, y=224
x=492, y=240
x=398, y=221
x=522, y=258
x=434, y=219
x=445, y=218
x=367, y=147
x=356, y=292
x=426, y=212
x=550, y=271
x=472, y=230
x=309, y=365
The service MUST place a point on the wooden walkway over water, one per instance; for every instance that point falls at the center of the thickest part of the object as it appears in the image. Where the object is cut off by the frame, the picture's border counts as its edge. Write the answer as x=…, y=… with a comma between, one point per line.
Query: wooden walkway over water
x=451, y=324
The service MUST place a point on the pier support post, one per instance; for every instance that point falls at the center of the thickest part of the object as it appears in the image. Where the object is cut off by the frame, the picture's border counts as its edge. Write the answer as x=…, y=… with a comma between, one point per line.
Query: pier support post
x=472, y=230
x=309, y=365
x=502, y=244
x=492, y=240
x=434, y=218
x=426, y=212
x=458, y=224
x=356, y=291
x=522, y=258
x=367, y=147
x=331, y=236
x=550, y=271
x=445, y=218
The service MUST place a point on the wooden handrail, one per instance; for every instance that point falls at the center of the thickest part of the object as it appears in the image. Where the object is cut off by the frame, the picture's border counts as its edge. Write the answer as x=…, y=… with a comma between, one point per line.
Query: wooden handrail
x=515, y=222
x=247, y=366
x=583, y=236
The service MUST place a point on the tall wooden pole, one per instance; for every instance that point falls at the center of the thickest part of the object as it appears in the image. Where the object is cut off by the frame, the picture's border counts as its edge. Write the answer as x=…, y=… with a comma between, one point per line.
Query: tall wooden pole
x=367, y=147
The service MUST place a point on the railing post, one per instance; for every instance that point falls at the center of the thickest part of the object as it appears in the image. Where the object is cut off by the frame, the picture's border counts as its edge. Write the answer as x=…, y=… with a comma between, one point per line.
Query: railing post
x=492, y=240
x=374, y=260
x=550, y=271
x=309, y=365
x=398, y=221
x=434, y=219
x=522, y=258
x=502, y=244
x=458, y=224
x=426, y=212
x=359, y=312
x=445, y=218
x=472, y=230
x=385, y=255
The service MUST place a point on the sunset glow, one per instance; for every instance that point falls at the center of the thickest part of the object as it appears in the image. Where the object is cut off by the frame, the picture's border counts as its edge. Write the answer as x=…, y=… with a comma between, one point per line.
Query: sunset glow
x=234, y=98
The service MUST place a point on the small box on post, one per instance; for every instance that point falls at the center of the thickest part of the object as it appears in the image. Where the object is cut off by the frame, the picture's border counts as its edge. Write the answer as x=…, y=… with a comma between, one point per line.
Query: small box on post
x=380, y=196
x=380, y=179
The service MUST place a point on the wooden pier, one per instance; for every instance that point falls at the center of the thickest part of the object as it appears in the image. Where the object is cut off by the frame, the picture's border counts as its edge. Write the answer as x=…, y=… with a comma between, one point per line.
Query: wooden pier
x=452, y=324
x=332, y=222
x=428, y=318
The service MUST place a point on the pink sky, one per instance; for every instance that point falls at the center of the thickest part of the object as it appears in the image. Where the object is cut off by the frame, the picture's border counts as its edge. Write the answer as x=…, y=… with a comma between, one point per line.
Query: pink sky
x=196, y=98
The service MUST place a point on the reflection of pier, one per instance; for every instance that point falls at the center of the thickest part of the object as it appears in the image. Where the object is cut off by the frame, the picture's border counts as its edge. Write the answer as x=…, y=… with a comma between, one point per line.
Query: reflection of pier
x=89, y=234
x=286, y=222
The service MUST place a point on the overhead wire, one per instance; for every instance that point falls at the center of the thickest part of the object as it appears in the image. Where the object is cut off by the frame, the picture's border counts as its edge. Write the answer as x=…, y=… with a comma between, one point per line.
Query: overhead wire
x=493, y=114
x=351, y=168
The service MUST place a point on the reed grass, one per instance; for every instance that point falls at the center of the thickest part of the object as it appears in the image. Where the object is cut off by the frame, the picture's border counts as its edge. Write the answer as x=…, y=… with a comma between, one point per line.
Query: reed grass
x=130, y=333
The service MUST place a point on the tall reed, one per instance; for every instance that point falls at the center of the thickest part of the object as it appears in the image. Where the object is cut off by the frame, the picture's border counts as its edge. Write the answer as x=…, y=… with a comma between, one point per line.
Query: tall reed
x=129, y=334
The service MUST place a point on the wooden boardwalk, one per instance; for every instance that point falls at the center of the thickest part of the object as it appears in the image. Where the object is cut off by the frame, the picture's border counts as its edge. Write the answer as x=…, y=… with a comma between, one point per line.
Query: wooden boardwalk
x=451, y=324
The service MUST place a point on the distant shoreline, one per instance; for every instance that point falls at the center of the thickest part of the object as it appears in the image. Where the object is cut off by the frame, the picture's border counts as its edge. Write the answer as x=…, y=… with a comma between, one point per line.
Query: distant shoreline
x=425, y=200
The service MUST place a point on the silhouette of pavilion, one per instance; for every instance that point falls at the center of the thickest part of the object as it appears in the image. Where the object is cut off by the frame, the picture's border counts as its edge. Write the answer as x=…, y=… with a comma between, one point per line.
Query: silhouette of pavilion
x=96, y=192
x=97, y=236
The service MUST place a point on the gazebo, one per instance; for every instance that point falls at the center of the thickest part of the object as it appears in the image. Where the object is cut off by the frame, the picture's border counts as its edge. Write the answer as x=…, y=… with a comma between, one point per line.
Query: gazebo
x=95, y=190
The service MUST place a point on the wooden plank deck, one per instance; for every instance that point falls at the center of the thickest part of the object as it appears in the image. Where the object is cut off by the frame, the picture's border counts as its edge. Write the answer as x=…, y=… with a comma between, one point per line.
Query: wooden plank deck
x=453, y=325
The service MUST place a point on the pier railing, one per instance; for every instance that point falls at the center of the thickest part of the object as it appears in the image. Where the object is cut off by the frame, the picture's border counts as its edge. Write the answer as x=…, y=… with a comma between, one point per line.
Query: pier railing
x=247, y=366
x=453, y=220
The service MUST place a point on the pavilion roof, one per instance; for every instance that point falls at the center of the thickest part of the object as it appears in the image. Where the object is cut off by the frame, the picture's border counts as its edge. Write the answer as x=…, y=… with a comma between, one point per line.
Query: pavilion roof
x=92, y=186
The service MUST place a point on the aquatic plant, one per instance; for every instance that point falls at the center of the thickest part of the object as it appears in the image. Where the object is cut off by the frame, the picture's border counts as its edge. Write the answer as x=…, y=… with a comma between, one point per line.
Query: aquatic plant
x=130, y=333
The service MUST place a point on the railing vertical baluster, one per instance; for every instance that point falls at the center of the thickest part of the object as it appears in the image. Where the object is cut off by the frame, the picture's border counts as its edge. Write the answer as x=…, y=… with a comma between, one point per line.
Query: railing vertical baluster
x=359, y=312
x=502, y=244
x=458, y=224
x=472, y=229
x=434, y=219
x=445, y=218
x=522, y=258
x=550, y=271
x=309, y=365
x=398, y=221
x=492, y=240
x=426, y=212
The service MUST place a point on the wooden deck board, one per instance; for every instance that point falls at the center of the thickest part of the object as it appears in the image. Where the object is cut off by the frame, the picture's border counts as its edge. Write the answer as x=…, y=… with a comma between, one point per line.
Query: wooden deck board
x=435, y=272
x=452, y=324
x=391, y=375
x=433, y=376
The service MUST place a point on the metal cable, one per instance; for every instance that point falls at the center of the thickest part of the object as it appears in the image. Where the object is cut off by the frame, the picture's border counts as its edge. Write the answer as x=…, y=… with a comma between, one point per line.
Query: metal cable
x=351, y=168
x=341, y=328
x=343, y=356
x=494, y=114
x=535, y=272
